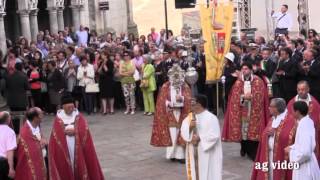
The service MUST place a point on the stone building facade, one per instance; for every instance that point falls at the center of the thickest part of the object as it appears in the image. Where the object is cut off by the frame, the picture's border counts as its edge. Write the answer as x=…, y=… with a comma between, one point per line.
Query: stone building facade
x=27, y=17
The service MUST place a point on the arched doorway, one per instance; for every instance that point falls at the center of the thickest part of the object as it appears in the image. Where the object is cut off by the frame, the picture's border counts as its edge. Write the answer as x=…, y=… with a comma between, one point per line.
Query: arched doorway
x=43, y=15
x=67, y=14
x=11, y=20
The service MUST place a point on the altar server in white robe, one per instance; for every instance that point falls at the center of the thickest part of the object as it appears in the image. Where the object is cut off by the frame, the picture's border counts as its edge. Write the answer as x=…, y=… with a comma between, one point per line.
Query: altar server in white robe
x=201, y=131
x=302, y=151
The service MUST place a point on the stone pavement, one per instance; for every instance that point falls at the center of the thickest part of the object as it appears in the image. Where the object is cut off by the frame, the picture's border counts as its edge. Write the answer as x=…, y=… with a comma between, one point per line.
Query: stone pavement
x=122, y=144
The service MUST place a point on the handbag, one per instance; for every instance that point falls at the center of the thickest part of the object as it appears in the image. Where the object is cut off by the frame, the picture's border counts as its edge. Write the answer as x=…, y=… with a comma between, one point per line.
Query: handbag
x=136, y=75
x=92, y=88
x=144, y=83
x=44, y=87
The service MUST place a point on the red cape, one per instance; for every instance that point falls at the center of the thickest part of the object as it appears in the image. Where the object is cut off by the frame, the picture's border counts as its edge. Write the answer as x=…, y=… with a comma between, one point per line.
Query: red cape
x=30, y=162
x=160, y=132
x=314, y=113
x=284, y=136
x=259, y=112
x=86, y=164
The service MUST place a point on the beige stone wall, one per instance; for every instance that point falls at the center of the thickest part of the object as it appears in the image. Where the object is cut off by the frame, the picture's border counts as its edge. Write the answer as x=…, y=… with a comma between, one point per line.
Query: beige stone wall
x=117, y=15
x=150, y=13
x=314, y=14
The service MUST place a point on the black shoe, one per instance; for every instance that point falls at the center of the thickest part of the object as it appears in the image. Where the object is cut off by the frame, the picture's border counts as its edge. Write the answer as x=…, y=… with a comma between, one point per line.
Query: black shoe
x=242, y=153
x=173, y=159
x=181, y=161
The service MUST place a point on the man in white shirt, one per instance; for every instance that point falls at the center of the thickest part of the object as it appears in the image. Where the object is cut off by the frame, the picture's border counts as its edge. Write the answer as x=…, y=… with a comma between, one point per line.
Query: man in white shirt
x=8, y=144
x=83, y=36
x=302, y=151
x=283, y=21
x=201, y=131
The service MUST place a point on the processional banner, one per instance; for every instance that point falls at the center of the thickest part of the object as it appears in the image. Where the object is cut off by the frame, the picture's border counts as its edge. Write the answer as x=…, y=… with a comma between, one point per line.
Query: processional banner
x=216, y=23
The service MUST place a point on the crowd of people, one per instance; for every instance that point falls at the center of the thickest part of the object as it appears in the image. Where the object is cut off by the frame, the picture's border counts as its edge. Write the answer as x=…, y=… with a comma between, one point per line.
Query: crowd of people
x=101, y=72
x=109, y=72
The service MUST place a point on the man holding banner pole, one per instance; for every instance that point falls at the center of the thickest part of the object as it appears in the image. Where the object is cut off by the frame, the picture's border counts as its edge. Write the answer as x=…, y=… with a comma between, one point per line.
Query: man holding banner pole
x=201, y=131
x=216, y=22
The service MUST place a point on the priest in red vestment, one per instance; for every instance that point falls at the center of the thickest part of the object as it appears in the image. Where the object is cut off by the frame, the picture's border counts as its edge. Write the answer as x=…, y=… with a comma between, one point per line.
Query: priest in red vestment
x=303, y=89
x=278, y=134
x=247, y=112
x=72, y=154
x=31, y=149
x=173, y=106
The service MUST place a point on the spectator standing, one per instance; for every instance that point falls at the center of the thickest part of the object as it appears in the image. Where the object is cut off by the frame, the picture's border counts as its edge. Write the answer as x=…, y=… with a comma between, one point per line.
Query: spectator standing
x=127, y=69
x=62, y=62
x=106, y=83
x=309, y=71
x=148, y=85
x=82, y=36
x=70, y=75
x=138, y=62
x=86, y=76
x=8, y=144
x=287, y=73
x=119, y=98
x=56, y=84
x=35, y=77
x=283, y=21
x=17, y=86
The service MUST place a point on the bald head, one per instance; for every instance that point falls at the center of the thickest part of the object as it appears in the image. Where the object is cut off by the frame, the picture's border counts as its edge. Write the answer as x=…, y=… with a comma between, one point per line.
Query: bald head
x=303, y=89
x=34, y=115
x=4, y=117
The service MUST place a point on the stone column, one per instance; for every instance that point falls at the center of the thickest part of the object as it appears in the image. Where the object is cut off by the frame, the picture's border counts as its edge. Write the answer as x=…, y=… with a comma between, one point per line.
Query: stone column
x=25, y=23
x=53, y=20
x=76, y=17
x=105, y=21
x=60, y=19
x=34, y=24
x=3, y=44
x=84, y=13
x=132, y=26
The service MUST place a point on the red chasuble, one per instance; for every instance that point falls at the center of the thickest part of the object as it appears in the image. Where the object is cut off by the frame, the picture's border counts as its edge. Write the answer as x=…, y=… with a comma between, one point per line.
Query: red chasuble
x=259, y=114
x=314, y=113
x=30, y=162
x=283, y=137
x=163, y=120
x=86, y=164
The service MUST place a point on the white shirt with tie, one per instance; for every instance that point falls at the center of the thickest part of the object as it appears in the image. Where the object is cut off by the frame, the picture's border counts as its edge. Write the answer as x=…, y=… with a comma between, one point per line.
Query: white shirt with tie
x=283, y=20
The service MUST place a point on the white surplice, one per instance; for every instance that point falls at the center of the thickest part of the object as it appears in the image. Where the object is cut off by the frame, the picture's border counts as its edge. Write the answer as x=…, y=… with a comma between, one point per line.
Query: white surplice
x=275, y=124
x=69, y=121
x=209, y=148
x=175, y=151
x=302, y=151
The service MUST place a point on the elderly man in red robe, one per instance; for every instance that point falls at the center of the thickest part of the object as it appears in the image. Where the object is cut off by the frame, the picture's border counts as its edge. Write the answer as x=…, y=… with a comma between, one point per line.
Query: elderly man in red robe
x=247, y=112
x=314, y=109
x=72, y=154
x=31, y=148
x=173, y=106
x=279, y=133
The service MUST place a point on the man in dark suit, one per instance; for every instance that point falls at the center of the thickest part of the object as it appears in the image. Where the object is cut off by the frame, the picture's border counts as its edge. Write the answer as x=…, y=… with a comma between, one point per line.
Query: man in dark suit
x=298, y=48
x=287, y=73
x=309, y=71
x=265, y=68
x=17, y=85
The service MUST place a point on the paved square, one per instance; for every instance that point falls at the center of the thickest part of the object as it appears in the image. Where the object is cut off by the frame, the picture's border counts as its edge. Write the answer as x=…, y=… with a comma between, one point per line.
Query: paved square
x=124, y=151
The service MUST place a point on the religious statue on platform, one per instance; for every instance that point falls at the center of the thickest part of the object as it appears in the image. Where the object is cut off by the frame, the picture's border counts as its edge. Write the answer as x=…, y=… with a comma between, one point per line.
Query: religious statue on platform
x=173, y=106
